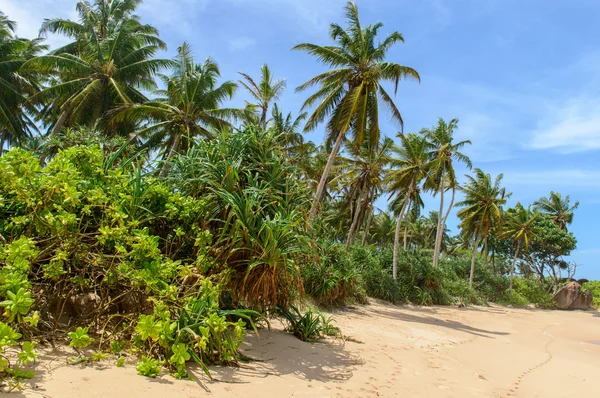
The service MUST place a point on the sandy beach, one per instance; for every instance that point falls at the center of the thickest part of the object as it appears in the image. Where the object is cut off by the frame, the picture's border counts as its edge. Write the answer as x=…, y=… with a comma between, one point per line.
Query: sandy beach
x=390, y=351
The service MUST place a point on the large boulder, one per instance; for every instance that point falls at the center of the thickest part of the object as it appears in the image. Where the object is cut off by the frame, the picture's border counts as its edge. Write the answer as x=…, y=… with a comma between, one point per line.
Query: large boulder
x=570, y=297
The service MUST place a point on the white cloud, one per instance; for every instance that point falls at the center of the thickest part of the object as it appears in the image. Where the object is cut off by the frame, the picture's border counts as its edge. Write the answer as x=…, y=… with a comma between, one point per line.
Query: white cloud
x=29, y=15
x=572, y=126
x=595, y=250
x=241, y=43
x=178, y=16
x=310, y=15
x=574, y=178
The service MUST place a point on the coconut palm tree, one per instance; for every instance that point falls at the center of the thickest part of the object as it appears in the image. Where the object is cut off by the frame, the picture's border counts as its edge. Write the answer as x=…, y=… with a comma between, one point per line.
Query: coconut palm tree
x=444, y=151
x=107, y=65
x=404, y=182
x=348, y=95
x=560, y=209
x=383, y=228
x=288, y=129
x=519, y=228
x=363, y=173
x=481, y=209
x=189, y=107
x=263, y=92
x=16, y=123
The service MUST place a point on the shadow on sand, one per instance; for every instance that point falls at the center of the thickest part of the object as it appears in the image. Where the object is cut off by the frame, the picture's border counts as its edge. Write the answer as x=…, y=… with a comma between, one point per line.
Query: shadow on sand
x=280, y=354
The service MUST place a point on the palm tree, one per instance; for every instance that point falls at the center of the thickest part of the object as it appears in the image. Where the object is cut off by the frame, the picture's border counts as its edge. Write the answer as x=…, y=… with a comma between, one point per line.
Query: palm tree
x=288, y=130
x=189, y=107
x=383, y=228
x=443, y=152
x=519, y=228
x=348, y=94
x=364, y=173
x=16, y=123
x=560, y=209
x=412, y=165
x=264, y=92
x=481, y=209
x=107, y=65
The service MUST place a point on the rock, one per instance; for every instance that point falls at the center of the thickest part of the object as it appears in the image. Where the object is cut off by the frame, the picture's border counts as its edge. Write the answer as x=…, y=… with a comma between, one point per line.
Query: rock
x=570, y=297
x=583, y=302
x=85, y=303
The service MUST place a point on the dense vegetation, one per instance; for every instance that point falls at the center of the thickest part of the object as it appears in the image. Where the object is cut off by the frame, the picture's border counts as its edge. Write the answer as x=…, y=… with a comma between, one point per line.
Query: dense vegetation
x=142, y=215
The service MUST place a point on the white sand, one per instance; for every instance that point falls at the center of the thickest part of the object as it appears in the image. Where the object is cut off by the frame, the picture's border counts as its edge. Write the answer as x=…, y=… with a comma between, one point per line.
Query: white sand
x=402, y=351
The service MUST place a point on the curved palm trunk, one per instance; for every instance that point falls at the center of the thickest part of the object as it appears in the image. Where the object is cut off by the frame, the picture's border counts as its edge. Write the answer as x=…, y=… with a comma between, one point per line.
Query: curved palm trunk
x=60, y=122
x=172, y=149
x=438, y=234
x=405, y=242
x=437, y=254
x=362, y=199
x=367, y=226
x=2, y=146
x=485, y=251
x=472, y=274
x=512, y=269
x=321, y=187
x=397, y=242
x=263, y=118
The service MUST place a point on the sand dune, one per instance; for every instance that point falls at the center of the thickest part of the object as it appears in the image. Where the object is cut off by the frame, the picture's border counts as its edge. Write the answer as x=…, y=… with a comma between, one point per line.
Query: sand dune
x=392, y=351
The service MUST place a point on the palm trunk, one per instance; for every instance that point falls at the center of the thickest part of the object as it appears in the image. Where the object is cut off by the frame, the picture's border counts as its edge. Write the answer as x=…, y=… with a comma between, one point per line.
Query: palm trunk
x=362, y=199
x=367, y=226
x=321, y=187
x=397, y=243
x=485, y=251
x=60, y=123
x=263, y=118
x=512, y=270
x=174, y=146
x=472, y=274
x=405, y=243
x=2, y=141
x=438, y=235
x=437, y=254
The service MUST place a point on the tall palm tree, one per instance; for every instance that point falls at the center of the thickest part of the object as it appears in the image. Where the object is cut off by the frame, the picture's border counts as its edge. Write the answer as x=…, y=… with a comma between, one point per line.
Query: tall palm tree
x=444, y=151
x=481, y=209
x=519, y=228
x=558, y=207
x=348, y=95
x=364, y=173
x=288, y=129
x=263, y=92
x=188, y=108
x=107, y=65
x=16, y=123
x=411, y=169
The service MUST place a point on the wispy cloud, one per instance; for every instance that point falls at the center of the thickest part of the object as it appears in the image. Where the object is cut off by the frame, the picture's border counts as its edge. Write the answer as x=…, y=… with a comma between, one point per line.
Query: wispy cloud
x=29, y=15
x=241, y=43
x=575, y=178
x=595, y=250
x=571, y=126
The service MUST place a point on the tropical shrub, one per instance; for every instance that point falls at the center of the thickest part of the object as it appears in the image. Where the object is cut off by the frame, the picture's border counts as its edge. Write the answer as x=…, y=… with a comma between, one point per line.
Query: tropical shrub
x=92, y=245
x=330, y=277
x=594, y=288
x=310, y=326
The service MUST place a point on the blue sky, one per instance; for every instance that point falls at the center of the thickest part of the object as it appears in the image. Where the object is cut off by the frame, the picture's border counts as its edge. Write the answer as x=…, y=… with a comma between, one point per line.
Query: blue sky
x=522, y=76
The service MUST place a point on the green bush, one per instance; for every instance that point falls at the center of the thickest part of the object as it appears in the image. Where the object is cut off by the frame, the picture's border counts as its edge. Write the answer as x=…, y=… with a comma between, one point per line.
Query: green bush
x=330, y=277
x=594, y=288
x=533, y=292
x=145, y=260
x=310, y=326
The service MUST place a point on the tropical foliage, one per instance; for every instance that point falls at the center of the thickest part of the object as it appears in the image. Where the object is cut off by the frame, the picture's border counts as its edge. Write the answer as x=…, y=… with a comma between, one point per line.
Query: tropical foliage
x=142, y=213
